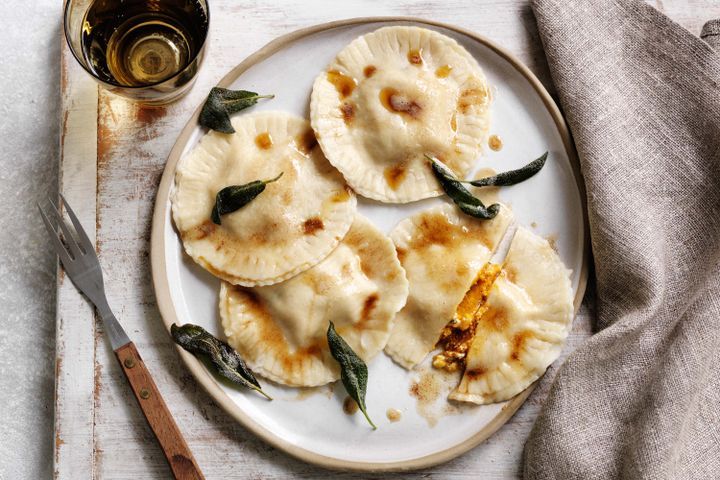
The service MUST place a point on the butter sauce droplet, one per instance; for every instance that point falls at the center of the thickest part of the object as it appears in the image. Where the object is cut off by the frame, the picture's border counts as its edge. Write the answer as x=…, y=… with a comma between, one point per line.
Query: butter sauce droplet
x=312, y=225
x=344, y=84
x=350, y=406
x=306, y=141
x=369, y=71
x=341, y=195
x=495, y=143
x=264, y=141
x=472, y=98
x=443, y=72
x=393, y=415
x=395, y=175
x=347, y=110
x=396, y=102
x=414, y=56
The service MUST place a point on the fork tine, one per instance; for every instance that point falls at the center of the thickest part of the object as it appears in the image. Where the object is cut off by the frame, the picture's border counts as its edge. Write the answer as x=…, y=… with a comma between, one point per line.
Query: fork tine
x=59, y=247
x=69, y=237
x=85, y=242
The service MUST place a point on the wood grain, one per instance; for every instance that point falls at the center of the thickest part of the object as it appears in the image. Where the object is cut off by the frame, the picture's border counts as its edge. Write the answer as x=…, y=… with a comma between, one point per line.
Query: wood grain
x=113, y=155
x=178, y=454
x=75, y=337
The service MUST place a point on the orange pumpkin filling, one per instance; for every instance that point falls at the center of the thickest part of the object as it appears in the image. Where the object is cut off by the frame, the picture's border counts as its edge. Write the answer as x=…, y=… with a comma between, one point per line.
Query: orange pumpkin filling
x=457, y=335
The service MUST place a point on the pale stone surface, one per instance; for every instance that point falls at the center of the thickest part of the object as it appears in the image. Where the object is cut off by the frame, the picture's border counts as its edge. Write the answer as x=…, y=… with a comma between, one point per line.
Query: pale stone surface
x=29, y=108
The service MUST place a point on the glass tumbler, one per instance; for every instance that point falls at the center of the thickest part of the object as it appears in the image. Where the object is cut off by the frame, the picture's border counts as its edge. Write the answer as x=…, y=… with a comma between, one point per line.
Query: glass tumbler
x=148, y=51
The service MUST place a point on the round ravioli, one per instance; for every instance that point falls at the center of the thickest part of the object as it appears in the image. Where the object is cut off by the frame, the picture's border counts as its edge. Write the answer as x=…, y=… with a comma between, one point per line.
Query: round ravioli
x=280, y=330
x=292, y=225
x=442, y=251
x=391, y=97
x=523, y=324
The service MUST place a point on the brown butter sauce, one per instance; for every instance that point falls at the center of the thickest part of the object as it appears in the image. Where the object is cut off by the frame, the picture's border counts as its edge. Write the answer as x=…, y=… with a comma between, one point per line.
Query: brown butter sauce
x=495, y=143
x=350, y=407
x=395, y=102
x=393, y=414
x=347, y=109
x=306, y=141
x=443, y=72
x=264, y=141
x=369, y=71
x=414, y=56
x=343, y=83
x=395, y=175
x=341, y=195
x=429, y=391
x=312, y=225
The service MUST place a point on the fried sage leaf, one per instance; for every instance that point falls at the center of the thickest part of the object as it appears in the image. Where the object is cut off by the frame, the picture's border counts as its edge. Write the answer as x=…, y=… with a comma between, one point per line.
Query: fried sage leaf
x=221, y=103
x=235, y=197
x=226, y=360
x=353, y=371
x=461, y=196
x=505, y=179
x=479, y=210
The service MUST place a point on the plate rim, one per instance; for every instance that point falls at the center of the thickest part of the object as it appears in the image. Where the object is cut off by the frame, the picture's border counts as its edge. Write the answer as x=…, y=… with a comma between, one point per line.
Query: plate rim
x=161, y=285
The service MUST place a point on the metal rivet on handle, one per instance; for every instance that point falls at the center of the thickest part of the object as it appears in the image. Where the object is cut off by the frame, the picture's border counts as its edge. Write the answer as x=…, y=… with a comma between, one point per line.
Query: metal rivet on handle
x=129, y=362
x=145, y=393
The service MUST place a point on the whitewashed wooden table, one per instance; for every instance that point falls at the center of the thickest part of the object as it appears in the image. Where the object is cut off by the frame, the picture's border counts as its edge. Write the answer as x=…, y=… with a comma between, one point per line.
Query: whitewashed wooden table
x=113, y=153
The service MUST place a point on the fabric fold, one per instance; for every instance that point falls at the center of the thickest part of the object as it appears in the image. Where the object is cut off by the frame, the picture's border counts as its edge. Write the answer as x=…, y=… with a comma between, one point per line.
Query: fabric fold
x=711, y=33
x=641, y=95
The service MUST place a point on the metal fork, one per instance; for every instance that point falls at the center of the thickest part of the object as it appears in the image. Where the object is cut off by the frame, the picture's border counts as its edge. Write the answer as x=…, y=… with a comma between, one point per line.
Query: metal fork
x=81, y=264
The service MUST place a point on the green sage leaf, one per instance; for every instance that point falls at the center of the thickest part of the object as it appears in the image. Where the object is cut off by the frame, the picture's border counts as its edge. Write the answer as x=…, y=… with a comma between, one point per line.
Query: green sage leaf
x=513, y=177
x=479, y=211
x=461, y=196
x=221, y=103
x=226, y=360
x=235, y=197
x=353, y=371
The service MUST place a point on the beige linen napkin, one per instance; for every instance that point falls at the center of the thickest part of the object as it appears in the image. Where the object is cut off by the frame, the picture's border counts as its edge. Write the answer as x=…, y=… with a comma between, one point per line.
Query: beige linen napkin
x=641, y=398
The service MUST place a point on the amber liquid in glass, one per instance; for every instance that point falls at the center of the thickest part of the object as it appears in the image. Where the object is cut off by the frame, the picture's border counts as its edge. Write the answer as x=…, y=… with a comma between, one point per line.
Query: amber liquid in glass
x=139, y=43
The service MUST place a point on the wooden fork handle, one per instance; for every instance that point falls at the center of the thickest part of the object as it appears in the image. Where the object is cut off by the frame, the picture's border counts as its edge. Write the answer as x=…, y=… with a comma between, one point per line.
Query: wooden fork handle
x=166, y=431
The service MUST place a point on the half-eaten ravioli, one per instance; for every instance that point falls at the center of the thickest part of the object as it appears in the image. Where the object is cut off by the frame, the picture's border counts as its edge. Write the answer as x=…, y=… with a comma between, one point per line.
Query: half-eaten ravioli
x=391, y=97
x=501, y=324
x=288, y=228
x=442, y=251
x=280, y=330
x=521, y=328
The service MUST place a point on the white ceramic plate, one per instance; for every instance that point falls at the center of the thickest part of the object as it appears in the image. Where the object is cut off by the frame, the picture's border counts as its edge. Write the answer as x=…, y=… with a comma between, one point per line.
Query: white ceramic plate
x=311, y=424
